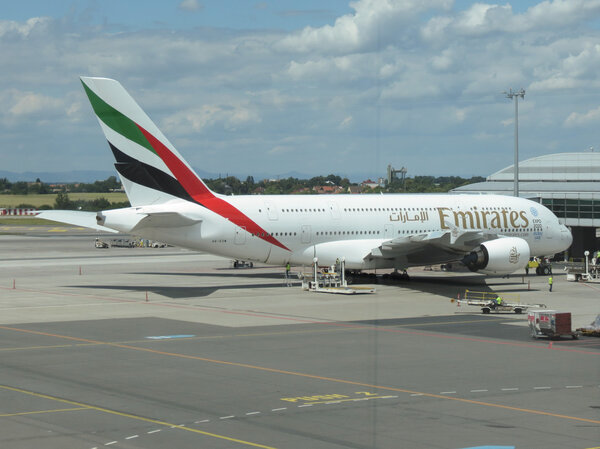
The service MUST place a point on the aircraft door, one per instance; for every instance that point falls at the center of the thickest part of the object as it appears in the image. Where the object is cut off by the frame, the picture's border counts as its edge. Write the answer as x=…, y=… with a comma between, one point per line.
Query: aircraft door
x=271, y=211
x=306, y=234
x=335, y=210
x=388, y=231
x=240, y=235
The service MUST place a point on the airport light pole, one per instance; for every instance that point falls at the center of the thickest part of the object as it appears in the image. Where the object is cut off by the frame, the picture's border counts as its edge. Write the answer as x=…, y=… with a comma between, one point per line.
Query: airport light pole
x=516, y=94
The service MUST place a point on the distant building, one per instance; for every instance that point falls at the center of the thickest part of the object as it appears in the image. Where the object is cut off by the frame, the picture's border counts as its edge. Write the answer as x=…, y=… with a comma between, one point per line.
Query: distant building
x=567, y=183
x=369, y=183
x=328, y=189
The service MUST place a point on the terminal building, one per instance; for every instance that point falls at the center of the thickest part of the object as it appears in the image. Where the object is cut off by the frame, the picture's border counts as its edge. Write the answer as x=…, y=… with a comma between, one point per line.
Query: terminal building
x=566, y=183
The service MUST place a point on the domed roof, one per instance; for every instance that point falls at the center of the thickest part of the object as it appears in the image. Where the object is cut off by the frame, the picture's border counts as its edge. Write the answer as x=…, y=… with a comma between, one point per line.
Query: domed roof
x=584, y=166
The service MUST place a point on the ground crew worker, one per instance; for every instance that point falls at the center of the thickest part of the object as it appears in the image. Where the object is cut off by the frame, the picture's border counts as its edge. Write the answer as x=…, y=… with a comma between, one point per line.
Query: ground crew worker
x=496, y=302
x=550, y=280
x=287, y=274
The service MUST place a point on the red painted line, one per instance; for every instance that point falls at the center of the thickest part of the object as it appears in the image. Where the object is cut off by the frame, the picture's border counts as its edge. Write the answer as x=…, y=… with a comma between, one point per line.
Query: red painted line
x=324, y=323
x=590, y=286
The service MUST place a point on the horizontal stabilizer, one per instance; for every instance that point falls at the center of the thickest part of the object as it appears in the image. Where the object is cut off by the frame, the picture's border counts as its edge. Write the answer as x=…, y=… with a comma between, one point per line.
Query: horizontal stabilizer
x=74, y=217
x=165, y=219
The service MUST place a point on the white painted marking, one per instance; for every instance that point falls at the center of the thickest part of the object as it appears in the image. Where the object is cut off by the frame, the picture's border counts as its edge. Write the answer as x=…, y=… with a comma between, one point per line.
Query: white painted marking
x=110, y=442
x=386, y=397
x=167, y=337
x=448, y=392
x=510, y=389
x=362, y=399
x=305, y=405
x=154, y=431
x=333, y=402
x=227, y=417
x=417, y=394
x=131, y=437
x=478, y=391
x=574, y=386
x=278, y=409
x=204, y=420
x=252, y=413
x=541, y=388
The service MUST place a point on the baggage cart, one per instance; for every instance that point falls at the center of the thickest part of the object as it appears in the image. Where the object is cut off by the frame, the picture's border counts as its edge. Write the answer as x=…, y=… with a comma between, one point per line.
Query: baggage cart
x=550, y=324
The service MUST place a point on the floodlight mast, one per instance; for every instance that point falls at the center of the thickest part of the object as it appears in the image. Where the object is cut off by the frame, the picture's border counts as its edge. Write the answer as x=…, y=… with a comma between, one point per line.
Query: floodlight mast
x=516, y=94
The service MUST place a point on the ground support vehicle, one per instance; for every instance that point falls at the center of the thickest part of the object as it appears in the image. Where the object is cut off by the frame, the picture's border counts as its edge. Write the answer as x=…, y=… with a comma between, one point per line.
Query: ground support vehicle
x=542, y=267
x=491, y=306
x=487, y=302
x=241, y=264
x=122, y=243
x=100, y=244
x=550, y=324
x=593, y=330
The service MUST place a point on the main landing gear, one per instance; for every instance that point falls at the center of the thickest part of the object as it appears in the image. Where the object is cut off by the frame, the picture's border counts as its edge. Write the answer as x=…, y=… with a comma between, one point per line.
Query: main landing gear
x=359, y=277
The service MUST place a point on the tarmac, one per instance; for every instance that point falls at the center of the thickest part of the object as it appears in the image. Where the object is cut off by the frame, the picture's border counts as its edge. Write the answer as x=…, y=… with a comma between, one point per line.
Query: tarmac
x=164, y=347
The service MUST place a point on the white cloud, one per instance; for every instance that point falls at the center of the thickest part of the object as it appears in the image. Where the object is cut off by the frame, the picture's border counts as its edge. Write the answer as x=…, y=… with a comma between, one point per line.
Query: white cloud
x=374, y=24
x=190, y=5
x=198, y=119
x=589, y=117
x=8, y=27
x=346, y=122
x=418, y=73
x=485, y=19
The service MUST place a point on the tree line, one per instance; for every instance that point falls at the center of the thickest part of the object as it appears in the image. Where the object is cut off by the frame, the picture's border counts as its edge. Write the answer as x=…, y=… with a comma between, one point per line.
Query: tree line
x=418, y=184
x=38, y=187
x=231, y=185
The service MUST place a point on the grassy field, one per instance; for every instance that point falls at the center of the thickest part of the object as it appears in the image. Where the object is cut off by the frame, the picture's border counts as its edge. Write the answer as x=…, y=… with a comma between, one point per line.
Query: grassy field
x=10, y=201
x=27, y=221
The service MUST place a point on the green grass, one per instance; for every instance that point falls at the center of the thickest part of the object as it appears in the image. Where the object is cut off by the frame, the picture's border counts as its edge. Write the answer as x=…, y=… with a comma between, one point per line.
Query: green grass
x=11, y=201
x=24, y=221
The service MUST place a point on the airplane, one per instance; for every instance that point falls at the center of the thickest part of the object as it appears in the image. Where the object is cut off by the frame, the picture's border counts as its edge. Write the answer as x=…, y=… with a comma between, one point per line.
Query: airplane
x=490, y=234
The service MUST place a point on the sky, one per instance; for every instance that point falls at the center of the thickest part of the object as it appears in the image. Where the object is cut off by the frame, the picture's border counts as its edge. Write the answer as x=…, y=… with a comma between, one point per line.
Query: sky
x=269, y=88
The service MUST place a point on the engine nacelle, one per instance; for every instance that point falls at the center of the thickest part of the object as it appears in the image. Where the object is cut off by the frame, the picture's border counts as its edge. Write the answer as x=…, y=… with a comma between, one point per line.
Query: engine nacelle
x=500, y=256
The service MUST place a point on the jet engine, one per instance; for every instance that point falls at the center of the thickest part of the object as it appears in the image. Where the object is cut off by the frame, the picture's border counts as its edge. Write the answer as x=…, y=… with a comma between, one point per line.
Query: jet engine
x=500, y=256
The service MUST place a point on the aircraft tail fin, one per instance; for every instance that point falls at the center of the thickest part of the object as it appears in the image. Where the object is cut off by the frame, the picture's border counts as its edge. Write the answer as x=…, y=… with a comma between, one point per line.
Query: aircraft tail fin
x=152, y=170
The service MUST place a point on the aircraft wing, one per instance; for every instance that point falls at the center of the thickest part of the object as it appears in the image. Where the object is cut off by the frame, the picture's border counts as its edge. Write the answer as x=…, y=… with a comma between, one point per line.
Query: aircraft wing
x=74, y=217
x=432, y=247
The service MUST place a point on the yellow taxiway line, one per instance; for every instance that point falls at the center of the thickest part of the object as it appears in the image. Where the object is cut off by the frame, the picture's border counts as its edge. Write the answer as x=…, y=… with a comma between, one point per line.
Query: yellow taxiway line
x=132, y=416
x=309, y=376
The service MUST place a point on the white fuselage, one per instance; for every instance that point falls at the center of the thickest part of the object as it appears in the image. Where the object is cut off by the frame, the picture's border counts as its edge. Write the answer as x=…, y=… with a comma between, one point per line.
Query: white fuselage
x=330, y=227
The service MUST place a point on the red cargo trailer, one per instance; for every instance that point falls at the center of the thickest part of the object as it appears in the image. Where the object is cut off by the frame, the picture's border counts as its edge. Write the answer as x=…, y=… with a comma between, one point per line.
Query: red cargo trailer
x=550, y=324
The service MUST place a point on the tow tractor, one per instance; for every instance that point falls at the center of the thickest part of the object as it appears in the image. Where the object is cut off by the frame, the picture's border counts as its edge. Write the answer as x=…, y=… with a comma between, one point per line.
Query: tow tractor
x=542, y=266
x=487, y=302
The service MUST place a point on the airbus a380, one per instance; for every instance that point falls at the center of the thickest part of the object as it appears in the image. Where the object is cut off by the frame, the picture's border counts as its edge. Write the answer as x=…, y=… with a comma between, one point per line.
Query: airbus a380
x=170, y=203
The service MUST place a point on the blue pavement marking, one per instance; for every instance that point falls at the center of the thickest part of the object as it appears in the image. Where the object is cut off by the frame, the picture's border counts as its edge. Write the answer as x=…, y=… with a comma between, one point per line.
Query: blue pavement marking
x=490, y=447
x=166, y=337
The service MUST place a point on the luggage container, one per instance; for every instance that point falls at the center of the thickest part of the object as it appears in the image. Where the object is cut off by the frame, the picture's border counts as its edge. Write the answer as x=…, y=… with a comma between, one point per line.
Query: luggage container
x=550, y=324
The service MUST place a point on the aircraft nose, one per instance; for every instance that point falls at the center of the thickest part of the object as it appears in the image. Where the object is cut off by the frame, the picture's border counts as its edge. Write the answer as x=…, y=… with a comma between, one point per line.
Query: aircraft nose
x=566, y=236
